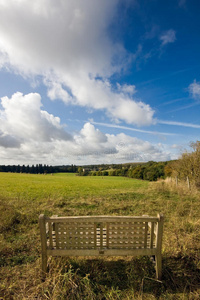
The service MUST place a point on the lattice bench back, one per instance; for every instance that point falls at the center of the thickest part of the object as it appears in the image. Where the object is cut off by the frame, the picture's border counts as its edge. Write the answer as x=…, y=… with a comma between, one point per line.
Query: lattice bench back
x=101, y=235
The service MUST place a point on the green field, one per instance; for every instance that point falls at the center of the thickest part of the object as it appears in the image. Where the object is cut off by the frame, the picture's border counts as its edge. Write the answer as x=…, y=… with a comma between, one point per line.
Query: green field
x=23, y=197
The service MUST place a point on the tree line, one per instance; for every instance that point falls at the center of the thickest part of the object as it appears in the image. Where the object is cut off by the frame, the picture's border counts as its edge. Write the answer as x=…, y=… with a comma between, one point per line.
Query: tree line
x=146, y=171
x=38, y=169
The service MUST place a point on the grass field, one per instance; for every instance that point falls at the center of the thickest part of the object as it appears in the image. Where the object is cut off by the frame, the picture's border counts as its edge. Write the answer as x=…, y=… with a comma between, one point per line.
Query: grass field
x=23, y=197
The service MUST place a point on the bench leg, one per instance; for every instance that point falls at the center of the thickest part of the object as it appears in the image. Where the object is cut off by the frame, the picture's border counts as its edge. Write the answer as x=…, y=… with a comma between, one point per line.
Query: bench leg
x=44, y=264
x=158, y=266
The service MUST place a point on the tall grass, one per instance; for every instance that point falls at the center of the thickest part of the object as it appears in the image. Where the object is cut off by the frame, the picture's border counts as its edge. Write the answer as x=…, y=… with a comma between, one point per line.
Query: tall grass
x=24, y=197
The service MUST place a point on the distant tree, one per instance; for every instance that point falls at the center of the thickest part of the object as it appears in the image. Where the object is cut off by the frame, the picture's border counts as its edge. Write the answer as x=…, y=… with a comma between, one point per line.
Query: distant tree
x=137, y=172
x=105, y=173
x=23, y=169
x=80, y=171
x=189, y=164
x=28, y=169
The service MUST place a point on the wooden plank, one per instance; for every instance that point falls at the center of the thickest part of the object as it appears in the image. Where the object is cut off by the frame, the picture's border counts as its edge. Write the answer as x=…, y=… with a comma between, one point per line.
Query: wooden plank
x=131, y=235
x=126, y=240
x=42, y=221
x=108, y=235
x=50, y=235
x=159, y=233
x=69, y=226
x=101, y=235
x=97, y=219
x=106, y=252
x=128, y=230
x=127, y=233
x=139, y=244
x=56, y=235
x=159, y=247
x=126, y=225
x=152, y=235
x=145, y=235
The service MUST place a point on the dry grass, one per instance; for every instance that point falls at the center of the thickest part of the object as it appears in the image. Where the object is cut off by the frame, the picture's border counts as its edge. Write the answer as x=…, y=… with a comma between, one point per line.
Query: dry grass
x=25, y=197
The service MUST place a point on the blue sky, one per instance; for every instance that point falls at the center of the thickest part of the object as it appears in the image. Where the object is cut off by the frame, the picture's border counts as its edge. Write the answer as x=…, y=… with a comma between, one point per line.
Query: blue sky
x=98, y=81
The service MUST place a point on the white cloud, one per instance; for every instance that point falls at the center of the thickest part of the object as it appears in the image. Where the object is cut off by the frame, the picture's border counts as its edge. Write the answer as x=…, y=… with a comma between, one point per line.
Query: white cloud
x=183, y=124
x=31, y=135
x=66, y=42
x=132, y=129
x=194, y=89
x=93, y=135
x=168, y=37
x=129, y=110
x=126, y=89
x=22, y=118
x=8, y=141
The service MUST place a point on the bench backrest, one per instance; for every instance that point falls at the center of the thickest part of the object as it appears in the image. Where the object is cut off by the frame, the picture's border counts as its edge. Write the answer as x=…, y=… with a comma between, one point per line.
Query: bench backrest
x=101, y=233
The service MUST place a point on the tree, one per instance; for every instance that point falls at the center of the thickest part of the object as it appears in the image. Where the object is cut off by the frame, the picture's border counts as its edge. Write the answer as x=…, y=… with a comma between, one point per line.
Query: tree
x=80, y=171
x=189, y=164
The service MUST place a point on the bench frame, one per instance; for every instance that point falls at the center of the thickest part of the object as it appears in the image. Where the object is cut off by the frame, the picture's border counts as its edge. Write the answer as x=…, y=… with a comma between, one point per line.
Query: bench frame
x=102, y=236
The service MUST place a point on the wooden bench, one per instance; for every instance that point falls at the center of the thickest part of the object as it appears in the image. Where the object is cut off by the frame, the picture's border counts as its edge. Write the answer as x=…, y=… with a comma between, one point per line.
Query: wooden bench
x=102, y=236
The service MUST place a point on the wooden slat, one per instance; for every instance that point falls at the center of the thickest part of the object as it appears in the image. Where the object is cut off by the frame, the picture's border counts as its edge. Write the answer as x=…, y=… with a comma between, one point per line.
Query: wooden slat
x=141, y=243
x=97, y=219
x=129, y=234
x=42, y=220
x=126, y=225
x=50, y=235
x=127, y=230
x=145, y=235
x=76, y=225
x=106, y=252
x=159, y=247
x=152, y=235
x=108, y=235
x=56, y=235
x=101, y=235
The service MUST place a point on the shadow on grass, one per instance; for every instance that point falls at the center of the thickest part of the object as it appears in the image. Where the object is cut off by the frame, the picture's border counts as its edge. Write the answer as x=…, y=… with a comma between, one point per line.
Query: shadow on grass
x=116, y=275
x=180, y=275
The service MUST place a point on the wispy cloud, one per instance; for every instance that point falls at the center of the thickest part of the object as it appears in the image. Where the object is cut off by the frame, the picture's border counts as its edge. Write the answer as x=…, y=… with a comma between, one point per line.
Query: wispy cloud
x=184, y=107
x=183, y=124
x=173, y=101
x=131, y=128
x=168, y=37
x=194, y=89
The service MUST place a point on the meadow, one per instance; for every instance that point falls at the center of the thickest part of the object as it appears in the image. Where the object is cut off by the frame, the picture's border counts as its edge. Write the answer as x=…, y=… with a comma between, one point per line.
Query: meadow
x=24, y=197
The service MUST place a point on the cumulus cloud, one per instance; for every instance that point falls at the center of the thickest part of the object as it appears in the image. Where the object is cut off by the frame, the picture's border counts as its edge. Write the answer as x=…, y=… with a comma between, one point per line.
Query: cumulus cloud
x=168, y=37
x=67, y=43
x=93, y=135
x=95, y=147
x=31, y=135
x=8, y=141
x=194, y=89
x=21, y=119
